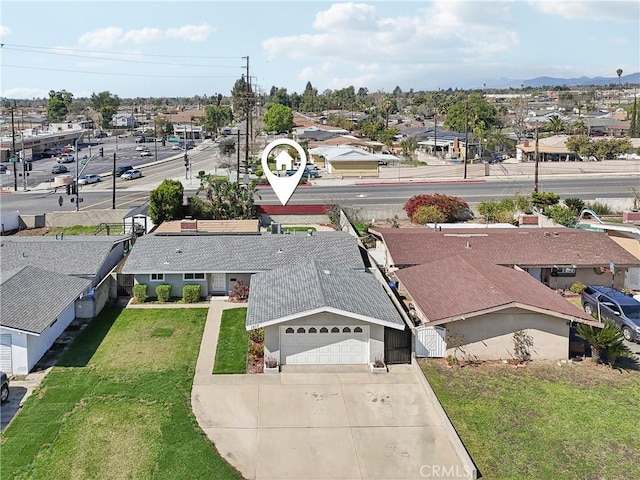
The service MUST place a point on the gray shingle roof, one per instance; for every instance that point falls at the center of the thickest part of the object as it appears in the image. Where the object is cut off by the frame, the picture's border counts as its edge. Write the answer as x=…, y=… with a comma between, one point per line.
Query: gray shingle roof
x=32, y=298
x=316, y=285
x=239, y=253
x=74, y=255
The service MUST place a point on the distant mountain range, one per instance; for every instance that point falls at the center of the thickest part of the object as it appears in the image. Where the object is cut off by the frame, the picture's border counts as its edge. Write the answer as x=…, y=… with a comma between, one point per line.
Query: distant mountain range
x=632, y=78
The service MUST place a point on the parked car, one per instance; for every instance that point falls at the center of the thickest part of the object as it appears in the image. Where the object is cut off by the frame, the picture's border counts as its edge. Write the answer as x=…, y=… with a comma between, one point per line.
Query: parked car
x=66, y=158
x=611, y=304
x=146, y=153
x=4, y=388
x=3, y=168
x=90, y=178
x=59, y=169
x=131, y=174
x=120, y=170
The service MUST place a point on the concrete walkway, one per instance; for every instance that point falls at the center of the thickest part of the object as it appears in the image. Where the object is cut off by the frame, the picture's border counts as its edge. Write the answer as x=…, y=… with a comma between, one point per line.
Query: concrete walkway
x=324, y=422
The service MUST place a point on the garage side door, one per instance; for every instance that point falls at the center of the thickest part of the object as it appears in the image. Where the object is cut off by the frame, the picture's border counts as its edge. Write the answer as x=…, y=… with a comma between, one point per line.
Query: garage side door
x=330, y=345
x=6, y=364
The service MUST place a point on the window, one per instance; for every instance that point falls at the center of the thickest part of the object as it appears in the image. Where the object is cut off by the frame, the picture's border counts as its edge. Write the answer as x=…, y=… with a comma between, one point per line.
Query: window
x=313, y=330
x=157, y=277
x=289, y=330
x=193, y=276
x=346, y=330
x=324, y=330
x=357, y=330
x=301, y=330
x=335, y=330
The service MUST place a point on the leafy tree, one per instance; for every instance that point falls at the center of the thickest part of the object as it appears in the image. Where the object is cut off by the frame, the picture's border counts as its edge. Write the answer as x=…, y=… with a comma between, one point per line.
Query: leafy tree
x=228, y=146
x=165, y=201
x=107, y=112
x=634, y=127
x=56, y=110
x=223, y=200
x=242, y=97
x=216, y=117
x=309, y=101
x=104, y=99
x=480, y=114
x=163, y=127
x=279, y=118
x=409, y=146
x=580, y=145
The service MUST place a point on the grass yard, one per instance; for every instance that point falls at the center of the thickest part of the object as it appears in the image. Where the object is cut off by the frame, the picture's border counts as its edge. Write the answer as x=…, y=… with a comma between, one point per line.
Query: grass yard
x=233, y=341
x=118, y=405
x=545, y=421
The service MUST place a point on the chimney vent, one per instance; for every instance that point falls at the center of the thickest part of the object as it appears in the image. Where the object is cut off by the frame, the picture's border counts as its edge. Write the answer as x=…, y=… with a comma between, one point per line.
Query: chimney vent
x=188, y=225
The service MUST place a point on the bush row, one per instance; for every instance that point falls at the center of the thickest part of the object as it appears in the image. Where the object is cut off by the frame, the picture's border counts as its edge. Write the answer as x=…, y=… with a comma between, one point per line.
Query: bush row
x=190, y=293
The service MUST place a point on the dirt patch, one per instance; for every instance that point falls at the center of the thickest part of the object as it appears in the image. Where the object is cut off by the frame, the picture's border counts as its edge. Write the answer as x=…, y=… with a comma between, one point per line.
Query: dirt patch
x=35, y=232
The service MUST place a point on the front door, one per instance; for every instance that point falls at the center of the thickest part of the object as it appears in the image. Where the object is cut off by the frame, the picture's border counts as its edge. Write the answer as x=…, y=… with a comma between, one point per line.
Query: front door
x=217, y=283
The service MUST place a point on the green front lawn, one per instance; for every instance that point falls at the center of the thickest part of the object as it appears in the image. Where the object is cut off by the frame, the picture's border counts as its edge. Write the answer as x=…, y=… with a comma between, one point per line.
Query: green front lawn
x=118, y=405
x=233, y=341
x=545, y=421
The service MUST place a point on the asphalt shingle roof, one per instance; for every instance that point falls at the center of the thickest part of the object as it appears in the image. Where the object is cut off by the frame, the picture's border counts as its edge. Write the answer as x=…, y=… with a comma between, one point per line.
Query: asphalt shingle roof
x=32, y=298
x=512, y=246
x=458, y=286
x=308, y=286
x=239, y=253
x=74, y=255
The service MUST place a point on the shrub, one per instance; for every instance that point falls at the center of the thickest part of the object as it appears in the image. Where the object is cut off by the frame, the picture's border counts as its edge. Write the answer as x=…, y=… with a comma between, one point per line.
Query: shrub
x=140, y=292
x=522, y=346
x=575, y=204
x=270, y=362
x=191, y=293
x=428, y=214
x=561, y=215
x=453, y=208
x=259, y=172
x=577, y=287
x=607, y=343
x=257, y=349
x=540, y=200
x=257, y=335
x=600, y=208
x=240, y=292
x=522, y=203
x=163, y=292
x=501, y=211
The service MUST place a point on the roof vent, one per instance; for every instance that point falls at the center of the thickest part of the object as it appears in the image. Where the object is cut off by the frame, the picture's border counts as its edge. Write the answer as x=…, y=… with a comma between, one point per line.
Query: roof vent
x=23, y=255
x=468, y=245
x=178, y=250
x=310, y=232
x=326, y=272
x=279, y=250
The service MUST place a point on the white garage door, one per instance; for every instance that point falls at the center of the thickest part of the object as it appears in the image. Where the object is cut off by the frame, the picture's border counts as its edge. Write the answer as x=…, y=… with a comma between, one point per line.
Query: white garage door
x=5, y=353
x=344, y=344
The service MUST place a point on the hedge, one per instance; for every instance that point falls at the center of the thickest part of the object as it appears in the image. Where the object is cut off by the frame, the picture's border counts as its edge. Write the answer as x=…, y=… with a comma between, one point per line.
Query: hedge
x=191, y=293
x=163, y=292
x=140, y=292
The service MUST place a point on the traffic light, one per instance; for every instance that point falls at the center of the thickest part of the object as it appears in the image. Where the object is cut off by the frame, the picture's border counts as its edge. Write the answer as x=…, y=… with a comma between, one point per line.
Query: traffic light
x=102, y=151
x=74, y=189
x=186, y=160
x=68, y=187
x=29, y=166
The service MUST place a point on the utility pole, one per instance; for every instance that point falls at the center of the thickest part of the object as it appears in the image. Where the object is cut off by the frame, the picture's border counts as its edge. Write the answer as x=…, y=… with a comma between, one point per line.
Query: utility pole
x=247, y=113
x=535, y=175
x=466, y=135
x=13, y=143
x=113, y=184
x=435, y=126
x=238, y=162
x=77, y=185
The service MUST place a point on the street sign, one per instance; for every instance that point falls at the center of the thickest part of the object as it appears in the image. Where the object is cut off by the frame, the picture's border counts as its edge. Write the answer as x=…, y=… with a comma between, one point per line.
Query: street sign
x=13, y=159
x=612, y=267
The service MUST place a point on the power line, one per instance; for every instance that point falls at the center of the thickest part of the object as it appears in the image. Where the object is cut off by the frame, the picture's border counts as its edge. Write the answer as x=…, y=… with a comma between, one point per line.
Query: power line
x=3, y=45
x=93, y=57
x=116, y=74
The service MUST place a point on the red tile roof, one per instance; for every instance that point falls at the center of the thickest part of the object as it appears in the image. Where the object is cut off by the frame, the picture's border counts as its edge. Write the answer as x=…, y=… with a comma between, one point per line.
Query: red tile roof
x=526, y=247
x=446, y=290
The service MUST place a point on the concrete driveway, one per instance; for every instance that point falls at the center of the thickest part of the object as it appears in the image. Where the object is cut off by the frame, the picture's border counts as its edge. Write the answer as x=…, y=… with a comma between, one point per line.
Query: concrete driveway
x=326, y=423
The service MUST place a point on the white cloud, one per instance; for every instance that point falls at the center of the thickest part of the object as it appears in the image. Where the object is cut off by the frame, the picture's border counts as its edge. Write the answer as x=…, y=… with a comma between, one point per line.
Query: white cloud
x=616, y=11
x=25, y=93
x=451, y=32
x=4, y=31
x=109, y=37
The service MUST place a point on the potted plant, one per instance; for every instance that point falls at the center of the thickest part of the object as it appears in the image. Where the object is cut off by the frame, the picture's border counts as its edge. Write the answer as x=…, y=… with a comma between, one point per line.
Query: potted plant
x=378, y=366
x=271, y=365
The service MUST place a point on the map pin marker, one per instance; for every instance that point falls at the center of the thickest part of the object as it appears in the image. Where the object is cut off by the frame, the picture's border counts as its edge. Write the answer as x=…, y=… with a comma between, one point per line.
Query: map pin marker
x=284, y=186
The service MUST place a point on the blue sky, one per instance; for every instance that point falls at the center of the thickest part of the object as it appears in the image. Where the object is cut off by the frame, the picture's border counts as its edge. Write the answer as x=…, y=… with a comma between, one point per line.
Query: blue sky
x=168, y=48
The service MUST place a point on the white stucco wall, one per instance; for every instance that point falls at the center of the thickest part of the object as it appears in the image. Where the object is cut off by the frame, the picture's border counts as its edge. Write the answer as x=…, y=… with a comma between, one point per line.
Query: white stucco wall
x=19, y=357
x=38, y=345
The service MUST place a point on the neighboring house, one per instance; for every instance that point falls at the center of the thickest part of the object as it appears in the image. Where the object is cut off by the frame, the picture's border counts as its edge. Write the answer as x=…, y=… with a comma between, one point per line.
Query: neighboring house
x=217, y=262
x=193, y=226
x=344, y=161
x=481, y=306
x=37, y=306
x=123, y=120
x=321, y=313
x=138, y=220
x=557, y=257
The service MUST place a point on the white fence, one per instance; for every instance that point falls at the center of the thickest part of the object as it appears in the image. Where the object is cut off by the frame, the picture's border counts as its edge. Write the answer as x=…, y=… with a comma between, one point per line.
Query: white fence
x=431, y=342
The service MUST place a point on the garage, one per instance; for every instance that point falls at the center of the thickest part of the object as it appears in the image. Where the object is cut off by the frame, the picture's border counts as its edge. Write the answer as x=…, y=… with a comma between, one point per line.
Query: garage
x=5, y=353
x=328, y=345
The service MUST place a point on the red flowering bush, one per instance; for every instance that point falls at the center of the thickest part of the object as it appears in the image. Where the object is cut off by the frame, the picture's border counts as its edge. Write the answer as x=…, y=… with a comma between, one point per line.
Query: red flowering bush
x=453, y=208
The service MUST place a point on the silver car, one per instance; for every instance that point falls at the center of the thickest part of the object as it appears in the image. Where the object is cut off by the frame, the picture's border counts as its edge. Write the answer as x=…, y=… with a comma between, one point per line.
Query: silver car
x=131, y=174
x=86, y=179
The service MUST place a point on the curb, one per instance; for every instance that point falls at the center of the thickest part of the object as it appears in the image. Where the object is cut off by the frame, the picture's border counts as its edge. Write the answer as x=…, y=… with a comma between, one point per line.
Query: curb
x=470, y=469
x=420, y=182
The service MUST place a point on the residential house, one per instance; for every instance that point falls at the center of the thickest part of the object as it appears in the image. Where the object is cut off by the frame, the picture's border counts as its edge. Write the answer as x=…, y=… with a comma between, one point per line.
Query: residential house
x=345, y=161
x=481, y=305
x=218, y=262
x=557, y=257
x=320, y=312
x=37, y=306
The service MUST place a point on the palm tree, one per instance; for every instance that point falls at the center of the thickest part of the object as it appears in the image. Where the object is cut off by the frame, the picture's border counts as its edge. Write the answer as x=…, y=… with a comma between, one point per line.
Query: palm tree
x=619, y=72
x=605, y=342
x=555, y=124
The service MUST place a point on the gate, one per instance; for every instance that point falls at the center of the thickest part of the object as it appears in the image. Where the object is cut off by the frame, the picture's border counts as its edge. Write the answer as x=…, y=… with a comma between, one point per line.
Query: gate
x=125, y=284
x=431, y=342
x=397, y=345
